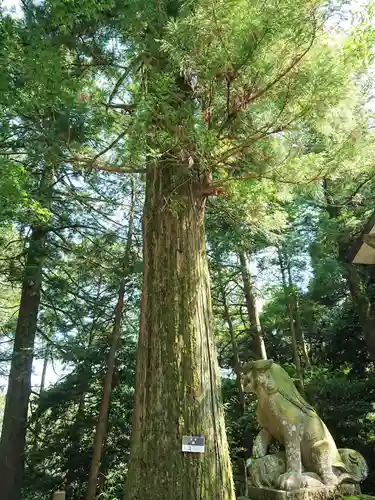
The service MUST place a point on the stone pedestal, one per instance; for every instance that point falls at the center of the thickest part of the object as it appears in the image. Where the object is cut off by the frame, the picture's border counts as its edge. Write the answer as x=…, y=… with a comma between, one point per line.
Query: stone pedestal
x=323, y=493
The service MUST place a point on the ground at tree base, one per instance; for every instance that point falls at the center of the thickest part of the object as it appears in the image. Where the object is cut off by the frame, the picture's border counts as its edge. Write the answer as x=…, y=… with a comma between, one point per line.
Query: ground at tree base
x=342, y=492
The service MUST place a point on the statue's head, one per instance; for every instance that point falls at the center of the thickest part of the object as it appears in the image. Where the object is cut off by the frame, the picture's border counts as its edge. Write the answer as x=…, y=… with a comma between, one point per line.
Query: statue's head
x=256, y=376
x=264, y=377
x=354, y=463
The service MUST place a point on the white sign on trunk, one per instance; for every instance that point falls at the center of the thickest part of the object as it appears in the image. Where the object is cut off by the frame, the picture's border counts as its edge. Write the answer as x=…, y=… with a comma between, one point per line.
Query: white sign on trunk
x=193, y=444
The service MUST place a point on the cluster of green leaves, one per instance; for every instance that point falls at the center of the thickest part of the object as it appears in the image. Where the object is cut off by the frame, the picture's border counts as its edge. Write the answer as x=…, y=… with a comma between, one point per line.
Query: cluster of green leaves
x=53, y=117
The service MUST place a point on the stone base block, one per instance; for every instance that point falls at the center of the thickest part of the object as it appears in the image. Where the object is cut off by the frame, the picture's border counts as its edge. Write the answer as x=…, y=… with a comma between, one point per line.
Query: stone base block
x=323, y=493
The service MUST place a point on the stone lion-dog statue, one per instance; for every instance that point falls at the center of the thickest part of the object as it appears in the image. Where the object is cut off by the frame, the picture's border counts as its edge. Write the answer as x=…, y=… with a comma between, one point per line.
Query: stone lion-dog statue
x=311, y=458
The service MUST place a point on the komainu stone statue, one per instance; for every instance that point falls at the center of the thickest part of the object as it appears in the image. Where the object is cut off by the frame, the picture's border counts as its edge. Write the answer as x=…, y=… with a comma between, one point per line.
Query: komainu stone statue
x=266, y=471
x=311, y=458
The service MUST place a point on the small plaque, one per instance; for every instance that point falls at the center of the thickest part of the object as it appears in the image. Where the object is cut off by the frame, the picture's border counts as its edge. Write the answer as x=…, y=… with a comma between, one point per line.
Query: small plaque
x=193, y=444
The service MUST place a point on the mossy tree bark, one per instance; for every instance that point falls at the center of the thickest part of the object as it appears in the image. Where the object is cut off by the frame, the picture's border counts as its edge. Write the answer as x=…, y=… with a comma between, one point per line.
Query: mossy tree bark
x=178, y=382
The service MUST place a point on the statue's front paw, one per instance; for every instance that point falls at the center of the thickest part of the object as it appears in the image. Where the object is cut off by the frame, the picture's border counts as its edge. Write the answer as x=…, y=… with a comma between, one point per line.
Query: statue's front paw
x=330, y=479
x=291, y=481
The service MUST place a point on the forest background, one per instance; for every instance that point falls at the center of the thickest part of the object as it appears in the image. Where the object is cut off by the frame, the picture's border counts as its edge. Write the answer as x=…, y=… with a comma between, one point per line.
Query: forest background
x=288, y=163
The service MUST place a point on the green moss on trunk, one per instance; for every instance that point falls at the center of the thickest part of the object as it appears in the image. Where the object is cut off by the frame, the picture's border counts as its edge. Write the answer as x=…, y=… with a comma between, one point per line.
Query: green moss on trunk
x=178, y=383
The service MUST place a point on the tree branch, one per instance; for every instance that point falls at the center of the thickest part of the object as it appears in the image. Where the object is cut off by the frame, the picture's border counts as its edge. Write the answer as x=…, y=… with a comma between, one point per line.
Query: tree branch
x=118, y=85
x=129, y=108
x=110, y=146
x=92, y=164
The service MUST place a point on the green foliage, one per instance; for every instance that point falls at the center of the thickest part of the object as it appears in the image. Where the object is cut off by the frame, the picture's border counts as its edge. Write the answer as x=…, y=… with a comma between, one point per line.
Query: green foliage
x=255, y=86
x=346, y=404
x=259, y=94
x=67, y=413
x=241, y=430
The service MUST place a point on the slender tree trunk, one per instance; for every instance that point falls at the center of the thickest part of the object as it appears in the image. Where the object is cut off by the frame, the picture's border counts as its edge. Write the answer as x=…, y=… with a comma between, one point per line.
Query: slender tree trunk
x=236, y=358
x=102, y=477
x=252, y=311
x=19, y=383
x=75, y=436
x=37, y=428
x=101, y=426
x=299, y=331
x=77, y=428
x=44, y=372
x=178, y=381
x=301, y=335
x=289, y=308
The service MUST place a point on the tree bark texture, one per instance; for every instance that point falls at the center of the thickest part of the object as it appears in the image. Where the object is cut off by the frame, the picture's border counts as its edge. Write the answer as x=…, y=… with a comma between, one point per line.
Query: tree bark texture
x=178, y=382
x=101, y=427
x=252, y=311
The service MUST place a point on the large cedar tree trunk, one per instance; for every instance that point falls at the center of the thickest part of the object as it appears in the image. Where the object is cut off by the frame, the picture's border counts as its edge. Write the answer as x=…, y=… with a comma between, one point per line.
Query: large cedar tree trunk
x=19, y=383
x=178, y=382
x=252, y=311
